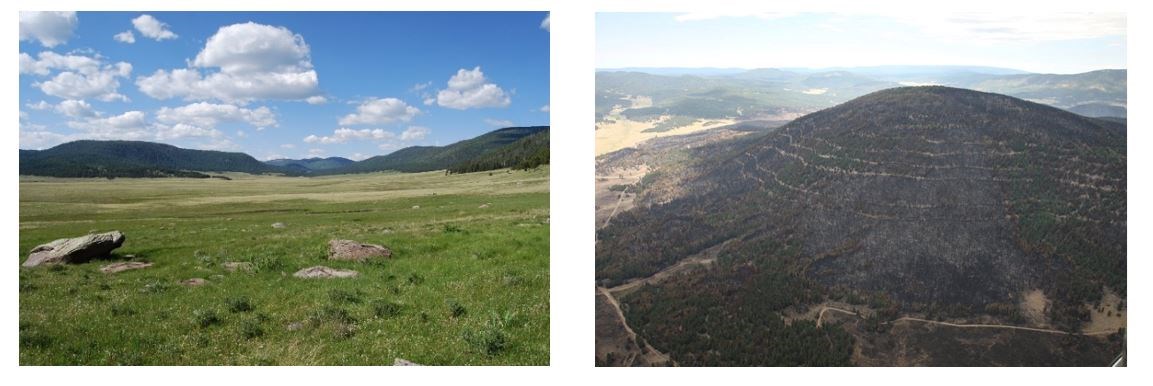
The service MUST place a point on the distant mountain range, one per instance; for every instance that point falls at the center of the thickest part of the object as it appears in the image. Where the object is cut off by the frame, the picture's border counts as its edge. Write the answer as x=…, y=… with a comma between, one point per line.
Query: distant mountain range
x=135, y=159
x=427, y=158
x=509, y=147
x=311, y=164
x=774, y=93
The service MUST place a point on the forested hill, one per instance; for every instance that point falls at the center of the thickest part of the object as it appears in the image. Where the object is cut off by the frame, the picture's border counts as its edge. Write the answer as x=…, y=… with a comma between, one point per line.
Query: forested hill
x=933, y=200
x=428, y=158
x=89, y=158
x=528, y=152
x=310, y=164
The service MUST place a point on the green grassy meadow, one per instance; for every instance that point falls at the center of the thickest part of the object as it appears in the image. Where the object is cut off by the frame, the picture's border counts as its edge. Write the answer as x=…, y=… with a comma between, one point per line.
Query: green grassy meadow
x=466, y=285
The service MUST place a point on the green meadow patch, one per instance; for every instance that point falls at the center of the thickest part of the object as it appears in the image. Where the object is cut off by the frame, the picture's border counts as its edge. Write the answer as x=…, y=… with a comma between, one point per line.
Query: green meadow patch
x=467, y=283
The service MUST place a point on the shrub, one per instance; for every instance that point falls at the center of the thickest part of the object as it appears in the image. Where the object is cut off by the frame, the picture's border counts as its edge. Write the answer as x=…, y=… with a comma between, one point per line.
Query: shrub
x=205, y=318
x=240, y=304
x=251, y=329
x=384, y=308
x=456, y=309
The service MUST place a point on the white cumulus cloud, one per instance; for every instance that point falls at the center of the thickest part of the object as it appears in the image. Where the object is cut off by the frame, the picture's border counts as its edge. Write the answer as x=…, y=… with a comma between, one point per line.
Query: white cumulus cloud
x=544, y=24
x=79, y=76
x=316, y=100
x=209, y=115
x=414, y=133
x=469, y=89
x=131, y=125
x=125, y=37
x=255, y=62
x=184, y=130
x=345, y=134
x=76, y=109
x=48, y=28
x=544, y=109
x=380, y=110
x=41, y=105
x=152, y=28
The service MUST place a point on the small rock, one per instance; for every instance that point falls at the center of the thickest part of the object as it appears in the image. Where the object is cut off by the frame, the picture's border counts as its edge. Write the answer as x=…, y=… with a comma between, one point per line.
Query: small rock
x=194, y=282
x=124, y=266
x=416, y=207
x=483, y=206
x=233, y=266
x=403, y=362
x=75, y=250
x=294, y=326
x=321, y=271
x=278, y=225
x=349, y=250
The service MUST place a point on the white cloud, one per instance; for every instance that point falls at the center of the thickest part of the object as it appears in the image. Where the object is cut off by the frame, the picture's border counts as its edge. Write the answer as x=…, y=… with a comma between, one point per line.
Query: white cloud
x=414, y=133
x=316, y=100
x=48, y=28
x=344, y=134
x=421, y=86
x=698, y=16
x=544, y=24
x=130, y=125
x=498, y=122
x=255, y=61
x=82, y=77
x=184, y=130
x=125, y=37
x=468, y=89
x=358, y=157
x=41, y=105
x=152, y=28
x=380, y=110
x=992, y=27
x=47, y=61
x=38, y=138
x=76, y=109
x=544, y=109
x=288, y=146
x=315, y=152
x=209, y=115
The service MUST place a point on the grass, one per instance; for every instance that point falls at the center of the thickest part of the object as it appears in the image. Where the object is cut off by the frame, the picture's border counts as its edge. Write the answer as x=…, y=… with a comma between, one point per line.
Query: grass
x=454, y=266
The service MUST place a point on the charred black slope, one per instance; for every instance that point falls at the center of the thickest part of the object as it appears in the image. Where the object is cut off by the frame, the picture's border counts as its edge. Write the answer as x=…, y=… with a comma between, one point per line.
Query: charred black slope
x=929, y=199
x=135, y=159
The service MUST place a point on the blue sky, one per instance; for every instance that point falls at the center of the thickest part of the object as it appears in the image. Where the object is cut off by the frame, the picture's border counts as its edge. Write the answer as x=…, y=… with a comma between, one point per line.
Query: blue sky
x=281, y=84
x=1048, y=43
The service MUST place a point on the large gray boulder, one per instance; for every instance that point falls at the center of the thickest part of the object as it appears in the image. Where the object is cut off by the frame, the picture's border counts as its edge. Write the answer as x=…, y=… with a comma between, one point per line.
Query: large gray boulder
x=349, y=250
x=75, y=250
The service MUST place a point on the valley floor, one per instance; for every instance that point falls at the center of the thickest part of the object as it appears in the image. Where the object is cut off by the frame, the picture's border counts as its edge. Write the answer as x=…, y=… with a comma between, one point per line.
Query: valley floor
x=468, y=283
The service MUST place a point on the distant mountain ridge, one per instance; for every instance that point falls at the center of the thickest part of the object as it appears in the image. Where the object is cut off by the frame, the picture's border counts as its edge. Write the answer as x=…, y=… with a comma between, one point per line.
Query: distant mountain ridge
x=89, y=158
x=427, y=158
x=311, y=164
x=764, y=92
x=523, y=147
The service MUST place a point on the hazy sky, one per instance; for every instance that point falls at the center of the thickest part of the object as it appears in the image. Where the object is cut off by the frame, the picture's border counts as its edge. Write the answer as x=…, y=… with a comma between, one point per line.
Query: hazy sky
x=1049, y=43
x=281, y=84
